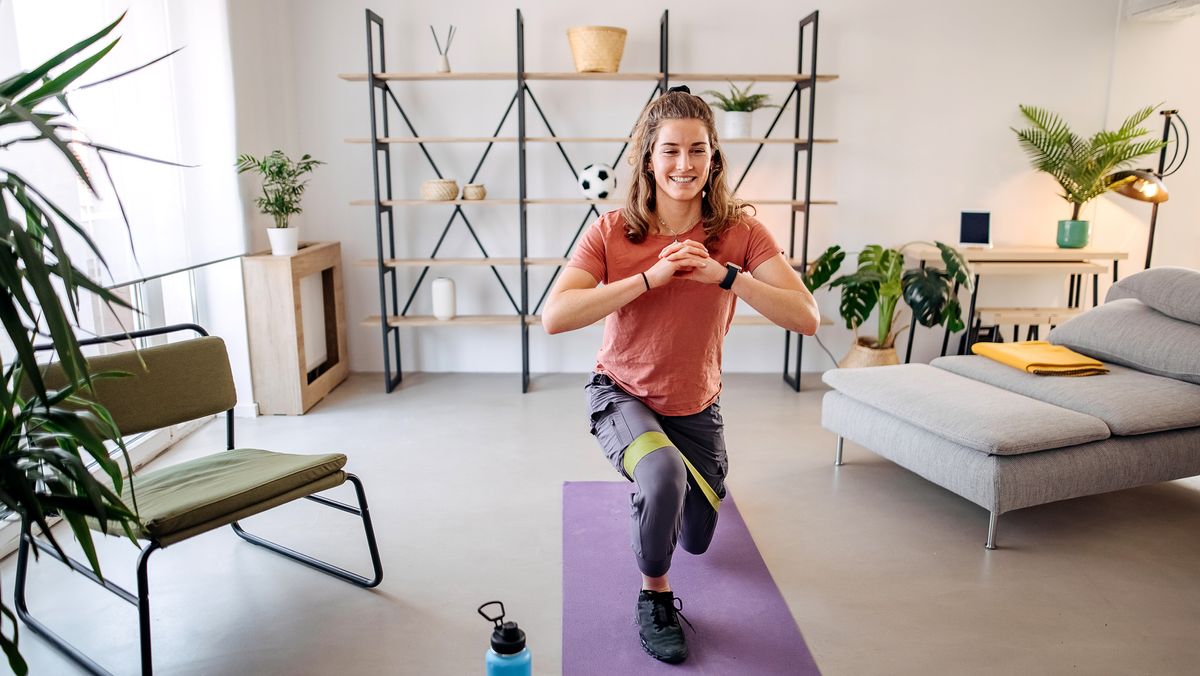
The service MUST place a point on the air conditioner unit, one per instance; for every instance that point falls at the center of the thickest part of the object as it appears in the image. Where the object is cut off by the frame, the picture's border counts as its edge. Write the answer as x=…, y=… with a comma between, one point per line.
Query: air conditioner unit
x=1160, y=10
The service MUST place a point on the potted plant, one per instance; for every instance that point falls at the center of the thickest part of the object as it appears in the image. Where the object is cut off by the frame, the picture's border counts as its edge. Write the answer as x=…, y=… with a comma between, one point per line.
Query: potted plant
x=881, y=281
x=282, y=188
x=1082, y=167
x=738, y=105
x=47, y=436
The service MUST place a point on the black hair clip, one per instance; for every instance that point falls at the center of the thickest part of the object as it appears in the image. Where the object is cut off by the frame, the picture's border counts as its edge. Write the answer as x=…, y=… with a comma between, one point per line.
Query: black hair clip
x=680, y=88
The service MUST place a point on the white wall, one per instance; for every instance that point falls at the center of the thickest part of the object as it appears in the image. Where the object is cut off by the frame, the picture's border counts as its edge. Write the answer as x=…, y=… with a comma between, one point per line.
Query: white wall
x=1155, y=63
x=927, y=94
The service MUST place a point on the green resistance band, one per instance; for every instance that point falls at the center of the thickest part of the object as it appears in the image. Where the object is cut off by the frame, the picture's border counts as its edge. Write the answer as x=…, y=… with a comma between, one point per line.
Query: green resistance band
x=649, y=442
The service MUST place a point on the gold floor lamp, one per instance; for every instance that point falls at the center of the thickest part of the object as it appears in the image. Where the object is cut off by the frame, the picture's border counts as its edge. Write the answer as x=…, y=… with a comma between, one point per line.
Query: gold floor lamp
x=1147, y=186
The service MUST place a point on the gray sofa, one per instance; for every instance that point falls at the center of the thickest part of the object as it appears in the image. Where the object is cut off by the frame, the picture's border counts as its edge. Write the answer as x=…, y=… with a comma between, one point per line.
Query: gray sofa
x=1005, y=439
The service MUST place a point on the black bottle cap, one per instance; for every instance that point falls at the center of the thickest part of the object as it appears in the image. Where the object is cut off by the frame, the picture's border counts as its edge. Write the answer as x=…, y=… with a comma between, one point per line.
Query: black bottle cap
x=508, y=639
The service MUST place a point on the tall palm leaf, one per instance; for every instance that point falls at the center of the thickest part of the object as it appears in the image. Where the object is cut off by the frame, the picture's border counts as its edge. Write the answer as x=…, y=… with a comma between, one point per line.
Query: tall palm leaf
x=48, y=437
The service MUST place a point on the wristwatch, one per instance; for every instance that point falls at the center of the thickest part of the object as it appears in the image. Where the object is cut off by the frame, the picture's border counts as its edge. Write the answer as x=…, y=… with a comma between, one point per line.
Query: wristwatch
x=733, y=270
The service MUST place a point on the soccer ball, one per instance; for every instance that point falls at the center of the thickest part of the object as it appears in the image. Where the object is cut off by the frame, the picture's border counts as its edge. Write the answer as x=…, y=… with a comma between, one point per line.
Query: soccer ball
x=597, y=181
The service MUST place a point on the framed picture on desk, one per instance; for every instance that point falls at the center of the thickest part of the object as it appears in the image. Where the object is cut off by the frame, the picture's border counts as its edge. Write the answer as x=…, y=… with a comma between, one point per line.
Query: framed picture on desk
x=975, y=230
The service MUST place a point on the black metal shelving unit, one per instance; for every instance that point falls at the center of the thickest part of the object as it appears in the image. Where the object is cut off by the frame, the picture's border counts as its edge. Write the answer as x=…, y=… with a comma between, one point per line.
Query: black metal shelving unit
x=392, y=314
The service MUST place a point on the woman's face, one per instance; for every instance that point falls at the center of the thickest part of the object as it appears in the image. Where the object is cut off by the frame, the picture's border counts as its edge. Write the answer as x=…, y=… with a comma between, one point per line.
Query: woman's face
x=681, y=159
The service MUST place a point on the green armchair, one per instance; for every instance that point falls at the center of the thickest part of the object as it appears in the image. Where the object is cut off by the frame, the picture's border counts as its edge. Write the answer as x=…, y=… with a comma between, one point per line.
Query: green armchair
x=183, y=381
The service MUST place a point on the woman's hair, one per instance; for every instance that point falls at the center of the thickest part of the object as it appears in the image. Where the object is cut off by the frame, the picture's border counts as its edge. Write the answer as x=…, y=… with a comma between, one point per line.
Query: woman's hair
x=719, y=208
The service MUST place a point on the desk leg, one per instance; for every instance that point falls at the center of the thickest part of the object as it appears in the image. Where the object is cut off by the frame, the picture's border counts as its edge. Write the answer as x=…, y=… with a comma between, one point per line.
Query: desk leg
x=912, y=329
x=1114, y=271
x=970, y=318
x=1095, y=290
x=946, y=335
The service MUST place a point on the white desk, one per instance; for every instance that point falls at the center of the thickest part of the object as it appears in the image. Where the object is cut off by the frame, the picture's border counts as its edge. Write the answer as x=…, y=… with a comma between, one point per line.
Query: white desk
x=1020, y=261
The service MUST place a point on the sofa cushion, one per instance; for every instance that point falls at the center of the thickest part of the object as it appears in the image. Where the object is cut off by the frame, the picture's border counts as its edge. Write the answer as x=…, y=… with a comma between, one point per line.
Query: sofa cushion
x=1175, y=292
x=965, y=411
x=1131, y=333
x=1128, y=401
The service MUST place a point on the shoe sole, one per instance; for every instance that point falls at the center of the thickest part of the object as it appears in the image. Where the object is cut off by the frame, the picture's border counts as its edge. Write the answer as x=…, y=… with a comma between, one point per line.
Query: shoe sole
x=668, y=660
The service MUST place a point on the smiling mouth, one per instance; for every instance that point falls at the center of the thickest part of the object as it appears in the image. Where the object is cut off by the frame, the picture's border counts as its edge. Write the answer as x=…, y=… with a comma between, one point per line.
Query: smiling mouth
x=683, y=179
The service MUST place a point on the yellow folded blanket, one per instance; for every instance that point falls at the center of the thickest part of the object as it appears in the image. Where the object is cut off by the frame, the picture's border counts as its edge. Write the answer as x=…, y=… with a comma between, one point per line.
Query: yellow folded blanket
x=1041, y=358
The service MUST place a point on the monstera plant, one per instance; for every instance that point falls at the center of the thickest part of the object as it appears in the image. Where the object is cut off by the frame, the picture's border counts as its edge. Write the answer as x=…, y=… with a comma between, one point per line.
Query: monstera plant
x=48, y=437
x=881, y=281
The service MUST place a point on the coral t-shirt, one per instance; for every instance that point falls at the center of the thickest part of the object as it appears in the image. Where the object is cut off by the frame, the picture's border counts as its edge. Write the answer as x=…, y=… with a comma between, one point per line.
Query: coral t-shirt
x=665, y=347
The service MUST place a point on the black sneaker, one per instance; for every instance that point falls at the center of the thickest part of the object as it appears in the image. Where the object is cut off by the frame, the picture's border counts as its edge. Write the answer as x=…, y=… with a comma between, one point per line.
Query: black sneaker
x=658, y=626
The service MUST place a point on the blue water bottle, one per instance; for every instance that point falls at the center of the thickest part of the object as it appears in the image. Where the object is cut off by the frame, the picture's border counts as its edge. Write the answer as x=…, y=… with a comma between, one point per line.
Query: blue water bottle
x=508, y=655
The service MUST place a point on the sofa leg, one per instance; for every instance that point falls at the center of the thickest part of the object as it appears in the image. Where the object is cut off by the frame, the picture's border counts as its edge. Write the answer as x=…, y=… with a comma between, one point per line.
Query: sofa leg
x=838, y=460
x=991, y=541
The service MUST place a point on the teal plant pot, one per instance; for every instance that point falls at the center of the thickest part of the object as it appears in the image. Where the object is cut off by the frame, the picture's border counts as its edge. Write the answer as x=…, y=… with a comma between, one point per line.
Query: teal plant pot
x=1074, y=234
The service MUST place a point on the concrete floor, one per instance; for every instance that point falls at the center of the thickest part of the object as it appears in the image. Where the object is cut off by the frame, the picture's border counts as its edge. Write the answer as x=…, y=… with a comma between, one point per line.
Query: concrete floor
x=884, y=572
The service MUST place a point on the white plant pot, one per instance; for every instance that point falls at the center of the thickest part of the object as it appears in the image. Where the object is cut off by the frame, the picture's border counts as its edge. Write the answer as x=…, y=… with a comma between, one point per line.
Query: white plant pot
x=284, y=241
x=443, y=298
x=737, y=124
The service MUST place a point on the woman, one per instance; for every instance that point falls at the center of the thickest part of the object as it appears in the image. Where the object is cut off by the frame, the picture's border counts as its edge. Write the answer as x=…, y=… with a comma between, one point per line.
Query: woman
x=671, y=264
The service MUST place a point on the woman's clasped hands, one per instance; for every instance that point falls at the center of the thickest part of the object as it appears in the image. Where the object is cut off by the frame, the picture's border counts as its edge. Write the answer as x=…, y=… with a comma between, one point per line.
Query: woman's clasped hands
x=689, y=260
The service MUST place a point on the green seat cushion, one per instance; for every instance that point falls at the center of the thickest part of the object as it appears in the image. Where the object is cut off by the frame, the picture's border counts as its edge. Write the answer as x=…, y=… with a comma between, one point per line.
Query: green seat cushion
x=180, y=501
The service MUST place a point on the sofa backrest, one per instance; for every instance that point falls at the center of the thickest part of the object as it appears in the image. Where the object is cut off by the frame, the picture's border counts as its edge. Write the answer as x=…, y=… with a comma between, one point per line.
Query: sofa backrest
x=1150, y=321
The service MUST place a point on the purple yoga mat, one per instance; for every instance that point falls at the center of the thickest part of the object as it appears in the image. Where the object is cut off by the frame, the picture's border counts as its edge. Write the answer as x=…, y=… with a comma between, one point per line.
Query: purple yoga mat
x=742, y=624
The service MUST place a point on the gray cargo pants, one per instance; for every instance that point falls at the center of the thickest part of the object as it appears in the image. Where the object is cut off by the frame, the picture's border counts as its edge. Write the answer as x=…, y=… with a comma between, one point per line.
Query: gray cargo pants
x=667, y=506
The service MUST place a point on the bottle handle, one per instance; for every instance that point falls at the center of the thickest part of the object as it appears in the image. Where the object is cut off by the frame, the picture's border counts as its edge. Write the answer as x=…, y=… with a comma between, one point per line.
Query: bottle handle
x=499, y=620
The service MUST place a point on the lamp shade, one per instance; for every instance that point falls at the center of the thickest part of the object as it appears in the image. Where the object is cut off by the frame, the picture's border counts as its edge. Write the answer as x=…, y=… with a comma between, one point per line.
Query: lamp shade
x=1139, y=184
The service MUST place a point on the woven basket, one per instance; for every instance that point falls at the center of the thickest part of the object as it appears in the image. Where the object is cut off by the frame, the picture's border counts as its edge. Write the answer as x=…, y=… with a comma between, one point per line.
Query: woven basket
x=439, y=189
x=474, y=191
x=597, y=49
x=860, y=355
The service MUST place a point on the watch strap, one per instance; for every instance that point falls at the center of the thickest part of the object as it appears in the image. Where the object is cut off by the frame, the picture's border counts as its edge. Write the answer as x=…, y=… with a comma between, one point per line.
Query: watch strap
x=731, y=275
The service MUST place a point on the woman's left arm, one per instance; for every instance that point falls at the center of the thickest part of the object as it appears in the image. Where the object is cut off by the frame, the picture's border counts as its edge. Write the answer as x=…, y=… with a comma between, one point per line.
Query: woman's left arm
x=777, y=292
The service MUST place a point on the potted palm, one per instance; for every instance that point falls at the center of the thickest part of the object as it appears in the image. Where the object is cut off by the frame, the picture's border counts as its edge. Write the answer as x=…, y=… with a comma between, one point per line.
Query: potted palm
x=881, y=282
x=48, y=437
x=738, y=105
x=283, y=185
x=1083, y=167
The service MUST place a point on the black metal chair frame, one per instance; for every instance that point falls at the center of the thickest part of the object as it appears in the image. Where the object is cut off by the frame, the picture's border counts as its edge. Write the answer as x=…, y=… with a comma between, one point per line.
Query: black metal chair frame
x=142, y=598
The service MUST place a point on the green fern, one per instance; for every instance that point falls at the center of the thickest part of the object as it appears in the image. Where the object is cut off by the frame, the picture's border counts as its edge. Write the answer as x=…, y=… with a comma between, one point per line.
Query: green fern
x=1081, y=166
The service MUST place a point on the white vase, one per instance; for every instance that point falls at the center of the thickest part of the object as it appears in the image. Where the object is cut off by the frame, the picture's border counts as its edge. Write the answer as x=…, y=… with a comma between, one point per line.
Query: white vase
x=737, y=124
x=443, y=298
x=444, y=66
x=284, y=241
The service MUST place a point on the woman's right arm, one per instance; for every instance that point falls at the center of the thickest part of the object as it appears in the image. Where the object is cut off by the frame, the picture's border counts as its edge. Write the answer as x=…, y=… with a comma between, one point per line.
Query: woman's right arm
x=576, y=301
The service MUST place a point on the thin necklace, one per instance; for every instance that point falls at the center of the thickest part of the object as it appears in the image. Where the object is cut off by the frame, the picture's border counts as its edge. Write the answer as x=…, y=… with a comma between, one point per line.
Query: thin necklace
x=668, y=228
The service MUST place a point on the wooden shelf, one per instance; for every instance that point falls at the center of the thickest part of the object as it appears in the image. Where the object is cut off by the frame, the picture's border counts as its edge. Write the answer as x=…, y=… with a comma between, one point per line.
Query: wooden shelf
x=413, y=321
x=757, y=77
x=798, y=205
x=422, y=262
x=278, y=332
x=566, y=139
x=1024, y=254
x=1025, y=316
x=362, y=77
x=422, y=203
x=993, y=268
x=436, y=139
x=459, y=321
x=637, y=77
x=613, y=77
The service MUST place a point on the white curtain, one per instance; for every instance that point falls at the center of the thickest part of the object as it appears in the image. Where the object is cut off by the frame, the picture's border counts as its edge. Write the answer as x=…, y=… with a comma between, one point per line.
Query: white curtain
x=180, y=109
